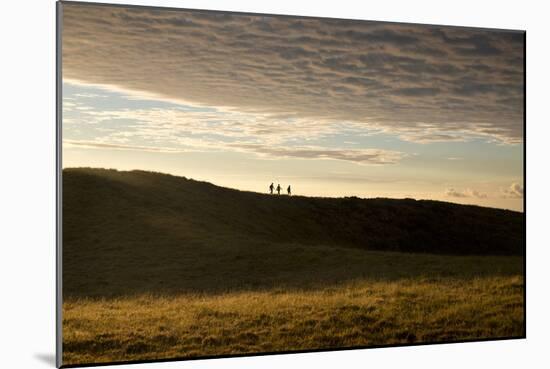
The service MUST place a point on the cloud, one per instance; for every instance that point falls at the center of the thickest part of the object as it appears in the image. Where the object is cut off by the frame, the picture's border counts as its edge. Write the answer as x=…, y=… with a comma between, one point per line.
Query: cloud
x=474, y=193
x=359, y=156
x=185, y=128
x=515, y=191
x=451, y=192
x=365, y=75
x=479, y=45
x=431, y=137
x=363, y=156
x=102, y=145
x=417, y=91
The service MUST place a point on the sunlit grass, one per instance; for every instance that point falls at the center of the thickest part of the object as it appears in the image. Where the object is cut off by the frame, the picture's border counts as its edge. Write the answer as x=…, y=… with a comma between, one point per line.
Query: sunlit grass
x=359, y=313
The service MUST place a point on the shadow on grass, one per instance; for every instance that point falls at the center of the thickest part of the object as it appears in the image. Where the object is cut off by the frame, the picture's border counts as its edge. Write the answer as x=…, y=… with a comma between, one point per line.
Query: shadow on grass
x=253, y=266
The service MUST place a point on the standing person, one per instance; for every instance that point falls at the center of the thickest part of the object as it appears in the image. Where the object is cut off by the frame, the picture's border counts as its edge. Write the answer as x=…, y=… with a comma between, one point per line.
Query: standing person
x=271, y=188
x=288, y=190
x=278, y=189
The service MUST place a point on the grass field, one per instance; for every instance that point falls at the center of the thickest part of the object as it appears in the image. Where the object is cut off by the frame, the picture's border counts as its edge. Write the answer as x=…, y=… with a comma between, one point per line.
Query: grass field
x=357, y=313
x=158, y=267
x=399, y=298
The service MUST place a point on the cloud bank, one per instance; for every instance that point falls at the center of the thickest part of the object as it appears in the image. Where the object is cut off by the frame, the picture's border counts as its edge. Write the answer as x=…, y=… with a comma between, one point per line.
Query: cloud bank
x=178, y=129
x=451, y=192
x=422, y=83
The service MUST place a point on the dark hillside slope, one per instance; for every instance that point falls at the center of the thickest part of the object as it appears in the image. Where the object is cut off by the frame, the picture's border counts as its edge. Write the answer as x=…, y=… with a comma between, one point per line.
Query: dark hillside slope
x=98, y=200
x=136, y=232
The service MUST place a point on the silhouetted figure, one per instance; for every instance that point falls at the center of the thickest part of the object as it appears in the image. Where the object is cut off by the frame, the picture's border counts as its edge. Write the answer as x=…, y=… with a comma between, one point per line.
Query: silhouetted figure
x=279, y=189
x=271, y=188
x=288, y=190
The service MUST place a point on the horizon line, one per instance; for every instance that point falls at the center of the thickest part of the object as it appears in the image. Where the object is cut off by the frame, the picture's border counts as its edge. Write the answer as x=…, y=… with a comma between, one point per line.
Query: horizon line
x=285, y=195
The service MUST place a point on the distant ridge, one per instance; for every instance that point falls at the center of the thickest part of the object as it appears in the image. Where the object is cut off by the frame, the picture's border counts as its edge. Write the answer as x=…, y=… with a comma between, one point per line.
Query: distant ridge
x=97, y=200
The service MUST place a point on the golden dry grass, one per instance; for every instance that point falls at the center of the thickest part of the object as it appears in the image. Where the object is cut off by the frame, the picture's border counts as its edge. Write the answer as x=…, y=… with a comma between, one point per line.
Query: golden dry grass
x=358, y=313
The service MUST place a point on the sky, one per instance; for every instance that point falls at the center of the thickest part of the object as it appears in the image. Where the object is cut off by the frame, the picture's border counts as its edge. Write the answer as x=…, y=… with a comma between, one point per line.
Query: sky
x=331, y=107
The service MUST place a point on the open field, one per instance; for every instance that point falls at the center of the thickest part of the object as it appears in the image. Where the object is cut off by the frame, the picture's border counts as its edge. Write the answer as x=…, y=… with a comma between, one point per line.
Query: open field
x=386, y=298
x=355, y=314
x=157, y=266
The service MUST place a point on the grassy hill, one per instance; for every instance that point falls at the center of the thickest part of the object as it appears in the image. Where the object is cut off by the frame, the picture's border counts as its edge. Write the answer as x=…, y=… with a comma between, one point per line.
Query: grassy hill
x=157, y=267
x=134, y=232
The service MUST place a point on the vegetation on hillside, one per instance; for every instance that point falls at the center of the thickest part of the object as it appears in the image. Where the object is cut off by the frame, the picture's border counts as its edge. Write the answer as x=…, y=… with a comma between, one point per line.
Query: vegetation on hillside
x=133, y=232
x=177, y=207
x=157, y=266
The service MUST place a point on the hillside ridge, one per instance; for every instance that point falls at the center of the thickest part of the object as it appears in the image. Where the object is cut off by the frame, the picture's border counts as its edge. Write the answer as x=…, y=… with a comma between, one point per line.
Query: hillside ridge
x=140, y=232
x=376, y=224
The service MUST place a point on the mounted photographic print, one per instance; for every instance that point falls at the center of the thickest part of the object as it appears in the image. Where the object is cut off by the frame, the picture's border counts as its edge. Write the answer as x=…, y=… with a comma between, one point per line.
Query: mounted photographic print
x=240, y=184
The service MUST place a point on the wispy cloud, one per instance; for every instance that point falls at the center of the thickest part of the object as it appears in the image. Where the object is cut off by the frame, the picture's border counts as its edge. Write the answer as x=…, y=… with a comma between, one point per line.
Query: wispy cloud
x=362, y=156
x=101, y=145
x=190, y=128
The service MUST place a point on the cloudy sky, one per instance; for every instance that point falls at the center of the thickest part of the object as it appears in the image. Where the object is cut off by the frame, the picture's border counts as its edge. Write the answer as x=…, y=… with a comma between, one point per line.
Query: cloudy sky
x=332, y=107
